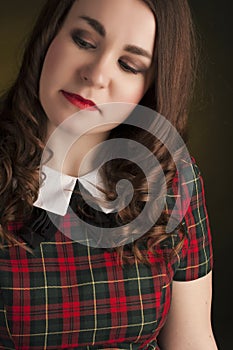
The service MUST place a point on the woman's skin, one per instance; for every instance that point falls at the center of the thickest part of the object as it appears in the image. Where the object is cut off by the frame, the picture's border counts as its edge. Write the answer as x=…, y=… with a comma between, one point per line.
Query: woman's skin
x=100, y=68
x=188, y=326
x=97, y=62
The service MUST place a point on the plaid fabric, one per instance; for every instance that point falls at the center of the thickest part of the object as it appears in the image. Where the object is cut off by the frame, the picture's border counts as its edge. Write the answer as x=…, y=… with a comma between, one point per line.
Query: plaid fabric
x=68, y=295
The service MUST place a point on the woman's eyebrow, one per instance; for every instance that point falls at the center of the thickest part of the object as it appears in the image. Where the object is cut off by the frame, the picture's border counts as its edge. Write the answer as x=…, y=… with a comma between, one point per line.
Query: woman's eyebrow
x=137, y=51
x=99, y=28
x=96, y=25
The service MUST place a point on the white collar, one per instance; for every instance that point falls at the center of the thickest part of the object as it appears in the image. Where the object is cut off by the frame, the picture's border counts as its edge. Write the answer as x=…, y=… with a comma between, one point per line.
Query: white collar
x=56, y=190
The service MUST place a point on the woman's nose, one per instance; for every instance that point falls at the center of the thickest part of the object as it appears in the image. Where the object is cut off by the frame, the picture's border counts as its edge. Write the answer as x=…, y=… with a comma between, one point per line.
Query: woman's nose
x=97, y=73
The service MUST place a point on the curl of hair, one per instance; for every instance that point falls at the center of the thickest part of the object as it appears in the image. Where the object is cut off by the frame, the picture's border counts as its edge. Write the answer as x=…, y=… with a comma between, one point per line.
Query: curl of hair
x=22, y=114
x=23, y=124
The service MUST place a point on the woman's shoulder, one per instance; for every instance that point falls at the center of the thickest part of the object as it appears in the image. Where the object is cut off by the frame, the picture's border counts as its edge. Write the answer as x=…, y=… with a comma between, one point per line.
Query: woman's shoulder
x=187, y=172
x=186, y=188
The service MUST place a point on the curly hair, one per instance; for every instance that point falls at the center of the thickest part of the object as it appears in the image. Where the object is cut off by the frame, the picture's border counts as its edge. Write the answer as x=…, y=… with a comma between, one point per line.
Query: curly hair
x=23, y=120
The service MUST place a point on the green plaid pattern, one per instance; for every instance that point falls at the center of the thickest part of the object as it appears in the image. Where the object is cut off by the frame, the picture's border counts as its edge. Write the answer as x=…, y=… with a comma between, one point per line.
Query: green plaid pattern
x=68, y=295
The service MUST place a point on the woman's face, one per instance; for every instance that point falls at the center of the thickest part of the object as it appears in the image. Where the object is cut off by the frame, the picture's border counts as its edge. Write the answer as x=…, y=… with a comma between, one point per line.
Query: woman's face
x=102, y=53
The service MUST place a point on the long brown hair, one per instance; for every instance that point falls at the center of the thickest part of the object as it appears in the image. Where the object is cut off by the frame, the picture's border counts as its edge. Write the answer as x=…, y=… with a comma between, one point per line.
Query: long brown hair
x=23, y=121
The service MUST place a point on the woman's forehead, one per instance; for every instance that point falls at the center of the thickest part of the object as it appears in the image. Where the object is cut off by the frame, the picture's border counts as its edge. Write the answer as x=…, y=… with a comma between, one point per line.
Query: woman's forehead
x=132, y=19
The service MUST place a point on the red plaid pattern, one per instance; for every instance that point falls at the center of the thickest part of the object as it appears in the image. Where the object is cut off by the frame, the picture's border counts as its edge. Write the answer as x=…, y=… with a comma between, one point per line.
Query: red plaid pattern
x=68, y=295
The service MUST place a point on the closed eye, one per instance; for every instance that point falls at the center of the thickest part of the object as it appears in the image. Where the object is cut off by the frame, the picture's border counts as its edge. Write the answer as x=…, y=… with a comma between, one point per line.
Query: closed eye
x=128, y=68
x=83, y=44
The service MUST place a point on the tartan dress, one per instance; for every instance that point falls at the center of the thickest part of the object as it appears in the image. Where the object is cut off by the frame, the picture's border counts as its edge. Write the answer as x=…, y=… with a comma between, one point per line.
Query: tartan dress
x=70, y=295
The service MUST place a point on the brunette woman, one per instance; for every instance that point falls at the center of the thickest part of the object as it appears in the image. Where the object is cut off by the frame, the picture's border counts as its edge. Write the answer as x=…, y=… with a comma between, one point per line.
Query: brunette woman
x=58, y=291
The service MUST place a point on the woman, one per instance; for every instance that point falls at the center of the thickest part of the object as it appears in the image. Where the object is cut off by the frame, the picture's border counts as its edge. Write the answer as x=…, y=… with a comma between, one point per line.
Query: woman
x=63, y=293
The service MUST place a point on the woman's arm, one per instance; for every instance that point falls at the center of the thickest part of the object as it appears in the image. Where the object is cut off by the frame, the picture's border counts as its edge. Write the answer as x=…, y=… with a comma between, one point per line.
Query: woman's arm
x=188, y=326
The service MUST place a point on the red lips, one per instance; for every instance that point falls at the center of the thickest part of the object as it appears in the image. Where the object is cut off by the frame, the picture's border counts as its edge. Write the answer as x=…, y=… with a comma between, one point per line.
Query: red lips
x=79, y=101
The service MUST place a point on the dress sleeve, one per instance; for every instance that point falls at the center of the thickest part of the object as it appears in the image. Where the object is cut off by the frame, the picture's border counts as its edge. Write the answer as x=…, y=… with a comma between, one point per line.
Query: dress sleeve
x=196, y=257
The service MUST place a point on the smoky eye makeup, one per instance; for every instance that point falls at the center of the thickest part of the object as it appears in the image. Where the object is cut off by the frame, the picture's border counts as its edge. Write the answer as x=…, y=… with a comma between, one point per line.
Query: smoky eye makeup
x=130, y=66
x=82, y=38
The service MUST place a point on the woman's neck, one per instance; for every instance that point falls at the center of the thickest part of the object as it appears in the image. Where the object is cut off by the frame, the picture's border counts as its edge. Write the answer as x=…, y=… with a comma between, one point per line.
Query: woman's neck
x=70, y=156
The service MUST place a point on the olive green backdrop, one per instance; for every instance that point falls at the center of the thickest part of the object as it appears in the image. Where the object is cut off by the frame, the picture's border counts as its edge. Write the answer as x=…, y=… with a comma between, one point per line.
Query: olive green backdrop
x=211, y=127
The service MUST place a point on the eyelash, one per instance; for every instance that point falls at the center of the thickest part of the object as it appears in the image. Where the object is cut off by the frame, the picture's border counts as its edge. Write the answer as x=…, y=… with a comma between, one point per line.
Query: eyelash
x=83, y=44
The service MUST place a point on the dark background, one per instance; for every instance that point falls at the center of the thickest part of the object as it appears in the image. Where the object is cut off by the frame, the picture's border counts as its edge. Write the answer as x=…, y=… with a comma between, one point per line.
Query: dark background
x=211, y=127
